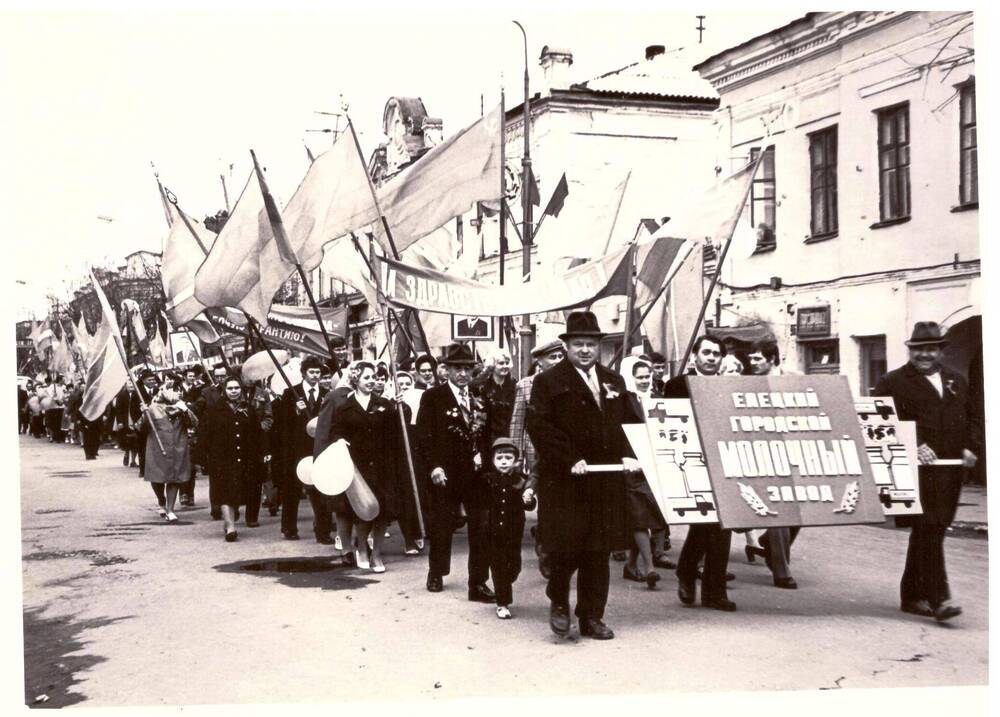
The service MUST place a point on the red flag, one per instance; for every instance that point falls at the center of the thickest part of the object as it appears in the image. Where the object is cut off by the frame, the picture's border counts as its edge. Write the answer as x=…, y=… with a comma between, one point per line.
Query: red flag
x=530, y=193
x=558, y=198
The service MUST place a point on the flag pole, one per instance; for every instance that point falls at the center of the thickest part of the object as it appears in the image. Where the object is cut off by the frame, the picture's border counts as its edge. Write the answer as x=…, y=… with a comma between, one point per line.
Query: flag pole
x=402, y=325
x=385, y=222
x=630, y=304
x=116, y=335
x=287, y=253
x=503, y=200
x=395, y=381
x=718, y=267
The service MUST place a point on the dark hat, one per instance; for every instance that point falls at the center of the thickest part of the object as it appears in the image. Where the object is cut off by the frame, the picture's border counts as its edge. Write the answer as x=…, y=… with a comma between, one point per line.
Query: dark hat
x=504, y=443
x=926, y=333
x=146, y=373
x=551, y=346
x=581, y=323
x=338, y=342
x=458, y=354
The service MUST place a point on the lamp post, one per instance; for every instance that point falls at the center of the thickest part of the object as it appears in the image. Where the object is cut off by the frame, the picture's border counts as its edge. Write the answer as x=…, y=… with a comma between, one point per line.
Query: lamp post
x=527, y=331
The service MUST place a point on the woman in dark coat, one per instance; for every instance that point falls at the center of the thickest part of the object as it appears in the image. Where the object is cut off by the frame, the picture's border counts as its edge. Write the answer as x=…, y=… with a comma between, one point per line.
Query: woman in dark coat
x=370, y=426
x=127, y=414
x=231, y=434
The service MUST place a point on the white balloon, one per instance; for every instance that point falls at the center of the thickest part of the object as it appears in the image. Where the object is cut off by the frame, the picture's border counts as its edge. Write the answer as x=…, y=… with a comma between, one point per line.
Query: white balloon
x=334, y=469
x=311, y=427
x=259, y=366
x=304, y=470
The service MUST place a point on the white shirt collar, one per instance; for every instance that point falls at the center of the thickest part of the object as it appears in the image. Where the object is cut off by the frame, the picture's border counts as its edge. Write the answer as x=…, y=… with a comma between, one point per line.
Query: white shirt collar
x=935, y=379
x=458, y=392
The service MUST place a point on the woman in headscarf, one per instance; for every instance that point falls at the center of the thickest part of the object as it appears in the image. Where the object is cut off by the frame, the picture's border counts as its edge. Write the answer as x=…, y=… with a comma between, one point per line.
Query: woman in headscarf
x=232, y=434
x=168, y=450
x=371, y=428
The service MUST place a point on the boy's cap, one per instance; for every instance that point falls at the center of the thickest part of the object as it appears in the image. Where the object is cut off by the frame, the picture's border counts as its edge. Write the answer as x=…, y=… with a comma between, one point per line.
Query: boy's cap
x=506, y=443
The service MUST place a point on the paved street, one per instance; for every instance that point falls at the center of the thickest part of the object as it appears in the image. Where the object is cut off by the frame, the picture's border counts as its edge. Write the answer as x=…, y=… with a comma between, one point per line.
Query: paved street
x=123, y=609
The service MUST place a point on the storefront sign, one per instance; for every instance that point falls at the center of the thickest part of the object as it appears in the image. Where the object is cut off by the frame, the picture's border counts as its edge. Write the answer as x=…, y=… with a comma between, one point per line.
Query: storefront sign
x=814, y=321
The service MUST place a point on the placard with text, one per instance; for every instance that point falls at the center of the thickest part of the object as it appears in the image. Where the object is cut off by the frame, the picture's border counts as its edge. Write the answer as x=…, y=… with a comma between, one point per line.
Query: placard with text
x=784, y=451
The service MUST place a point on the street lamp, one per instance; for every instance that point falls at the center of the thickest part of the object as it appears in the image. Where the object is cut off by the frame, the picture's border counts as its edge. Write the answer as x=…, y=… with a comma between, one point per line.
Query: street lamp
x=527, y=331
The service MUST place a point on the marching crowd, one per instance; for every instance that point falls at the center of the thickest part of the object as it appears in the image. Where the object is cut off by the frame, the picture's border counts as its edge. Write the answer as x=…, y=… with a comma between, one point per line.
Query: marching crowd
x=485, y=450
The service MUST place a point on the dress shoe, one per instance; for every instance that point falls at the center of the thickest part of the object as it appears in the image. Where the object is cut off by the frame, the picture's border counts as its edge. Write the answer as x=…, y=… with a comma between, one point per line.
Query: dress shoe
x=686, y=591
x=253, y=524
x=324, y=540
x=620, y=555
x=231, y=536
x=434, y=583
x=786, y=583
x=216, y=515
x=918, y=607
x=481, y=593
x=290, y=536
x=719, y=603
x=503, y=612
x=751, y=553
x=596, y=629
x=361, y=559
x=662, y=561
x=946, y=611
x=161, y=511
x=348, y=559
x=652, y=578
x=729, y=576
x=630, y=574
x=559, y=620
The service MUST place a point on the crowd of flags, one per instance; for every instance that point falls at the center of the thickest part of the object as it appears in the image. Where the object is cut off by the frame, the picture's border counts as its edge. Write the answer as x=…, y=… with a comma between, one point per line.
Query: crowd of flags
x=336, y=212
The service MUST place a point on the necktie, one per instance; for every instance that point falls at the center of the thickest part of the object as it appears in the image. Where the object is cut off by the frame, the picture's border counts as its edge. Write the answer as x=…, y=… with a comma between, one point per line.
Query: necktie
x=464, y=394
x=592, y=384
x=312, y=398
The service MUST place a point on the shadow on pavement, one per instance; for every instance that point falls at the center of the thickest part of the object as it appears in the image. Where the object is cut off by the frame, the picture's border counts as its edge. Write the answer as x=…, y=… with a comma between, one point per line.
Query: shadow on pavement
x=50, y=663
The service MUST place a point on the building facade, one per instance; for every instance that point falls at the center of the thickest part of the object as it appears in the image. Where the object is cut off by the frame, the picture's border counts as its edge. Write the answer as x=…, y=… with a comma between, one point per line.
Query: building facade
x=863, y=216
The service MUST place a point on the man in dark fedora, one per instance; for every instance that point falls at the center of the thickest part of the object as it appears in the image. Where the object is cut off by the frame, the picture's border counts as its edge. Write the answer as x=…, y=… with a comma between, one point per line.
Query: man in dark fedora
x=447, y=431
x=575, y=421
x=937, y=399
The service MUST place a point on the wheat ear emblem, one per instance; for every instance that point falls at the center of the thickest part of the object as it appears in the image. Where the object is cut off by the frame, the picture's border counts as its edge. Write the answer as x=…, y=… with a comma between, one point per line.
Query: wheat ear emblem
x=850, y=500
x=753, y=500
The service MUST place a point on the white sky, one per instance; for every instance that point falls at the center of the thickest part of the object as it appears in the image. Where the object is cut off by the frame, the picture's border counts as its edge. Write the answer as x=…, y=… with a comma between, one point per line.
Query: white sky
x=92, y=97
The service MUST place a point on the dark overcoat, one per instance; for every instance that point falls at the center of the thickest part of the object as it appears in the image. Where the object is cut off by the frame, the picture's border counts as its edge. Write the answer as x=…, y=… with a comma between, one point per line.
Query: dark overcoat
x=232, y=440
x=566, y=425
x=498, y=403
x=944, y=424
x=447, y=441
x=291, y=443
x=376, y=446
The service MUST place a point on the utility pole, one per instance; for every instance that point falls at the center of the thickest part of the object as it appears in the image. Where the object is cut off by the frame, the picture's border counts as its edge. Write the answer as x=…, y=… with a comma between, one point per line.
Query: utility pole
x=701, y=26
x=527, y=331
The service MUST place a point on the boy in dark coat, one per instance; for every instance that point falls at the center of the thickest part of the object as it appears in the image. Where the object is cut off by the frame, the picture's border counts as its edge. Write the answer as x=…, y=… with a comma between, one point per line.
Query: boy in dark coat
x=508, y=500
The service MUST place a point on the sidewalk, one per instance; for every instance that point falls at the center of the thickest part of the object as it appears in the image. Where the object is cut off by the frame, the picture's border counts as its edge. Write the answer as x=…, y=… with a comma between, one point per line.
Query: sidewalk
x=972, y=510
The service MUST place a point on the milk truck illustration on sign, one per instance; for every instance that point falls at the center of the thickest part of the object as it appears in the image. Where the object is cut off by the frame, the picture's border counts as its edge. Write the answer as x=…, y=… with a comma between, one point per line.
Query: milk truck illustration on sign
x=891, y=447
x=680, y=462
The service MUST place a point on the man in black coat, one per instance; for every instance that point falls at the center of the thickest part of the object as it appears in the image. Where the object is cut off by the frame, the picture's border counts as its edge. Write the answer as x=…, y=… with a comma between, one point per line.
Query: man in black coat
x=710, y=542
x=447, y=432
x=300, y=404
x=575, y=420
x=190, y=394
x=938, y=400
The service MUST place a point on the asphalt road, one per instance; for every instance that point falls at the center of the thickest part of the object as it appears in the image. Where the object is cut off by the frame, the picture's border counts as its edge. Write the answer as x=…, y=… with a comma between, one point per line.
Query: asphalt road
x=122, y=609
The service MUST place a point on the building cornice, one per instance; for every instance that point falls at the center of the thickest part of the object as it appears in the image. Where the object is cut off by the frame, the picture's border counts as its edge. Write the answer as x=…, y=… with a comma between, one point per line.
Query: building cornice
x=803, y=39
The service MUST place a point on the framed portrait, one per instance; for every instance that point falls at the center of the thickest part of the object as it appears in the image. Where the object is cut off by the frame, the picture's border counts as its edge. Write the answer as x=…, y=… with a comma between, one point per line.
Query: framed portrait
x=471, y=328
x=184, y=348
